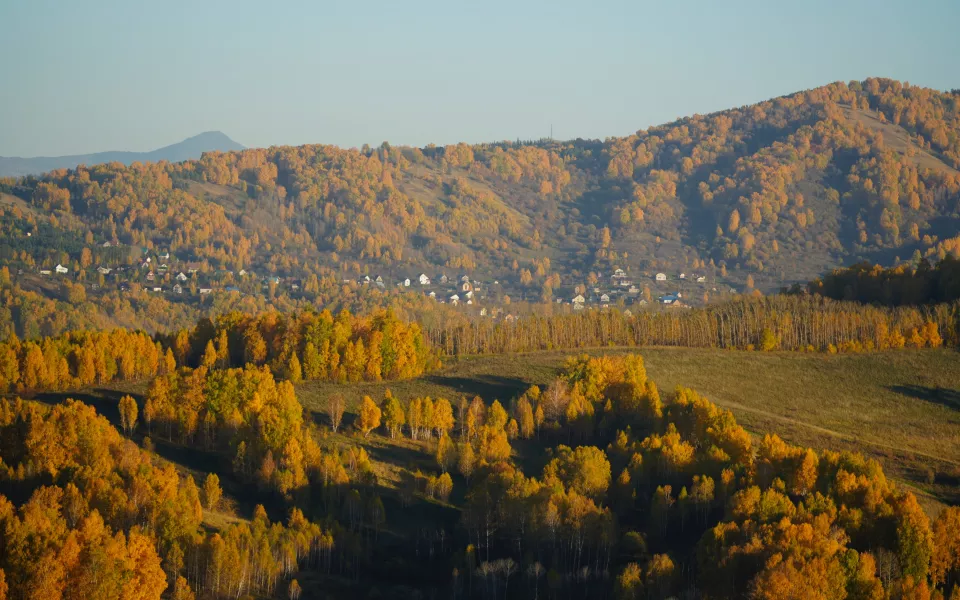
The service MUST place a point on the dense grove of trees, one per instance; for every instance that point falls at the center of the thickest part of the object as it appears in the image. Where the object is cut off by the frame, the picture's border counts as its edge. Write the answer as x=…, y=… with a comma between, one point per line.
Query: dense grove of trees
x=775, y=322
x=897, y=286
x=308, y=345
x=303, y=345
x=781, y=190
x=80, y=359
x=101, y=518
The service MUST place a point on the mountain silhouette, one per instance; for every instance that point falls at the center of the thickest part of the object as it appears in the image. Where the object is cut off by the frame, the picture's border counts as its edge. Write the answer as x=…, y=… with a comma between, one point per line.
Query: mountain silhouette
x=190, y=148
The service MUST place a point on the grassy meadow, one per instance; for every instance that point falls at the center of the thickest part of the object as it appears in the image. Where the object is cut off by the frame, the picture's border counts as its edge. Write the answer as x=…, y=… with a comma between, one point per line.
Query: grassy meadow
x=901, y=407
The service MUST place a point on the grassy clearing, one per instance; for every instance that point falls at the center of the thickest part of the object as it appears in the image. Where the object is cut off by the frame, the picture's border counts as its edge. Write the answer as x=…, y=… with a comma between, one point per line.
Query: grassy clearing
x=901, y=407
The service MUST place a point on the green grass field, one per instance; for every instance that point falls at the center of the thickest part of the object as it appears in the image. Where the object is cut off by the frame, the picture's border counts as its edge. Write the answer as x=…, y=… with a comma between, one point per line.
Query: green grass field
x=901, y=407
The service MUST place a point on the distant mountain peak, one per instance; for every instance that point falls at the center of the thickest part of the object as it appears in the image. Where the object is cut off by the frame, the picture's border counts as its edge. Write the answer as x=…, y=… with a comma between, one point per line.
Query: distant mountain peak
x=190, y=148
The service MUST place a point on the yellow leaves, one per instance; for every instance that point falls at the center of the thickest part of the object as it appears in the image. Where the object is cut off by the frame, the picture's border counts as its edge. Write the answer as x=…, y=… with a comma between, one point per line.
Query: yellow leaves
x=369, y=416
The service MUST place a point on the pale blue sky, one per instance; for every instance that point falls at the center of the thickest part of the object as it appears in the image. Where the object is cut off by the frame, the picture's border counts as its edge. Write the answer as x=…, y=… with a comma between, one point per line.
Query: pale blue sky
x=85, y=76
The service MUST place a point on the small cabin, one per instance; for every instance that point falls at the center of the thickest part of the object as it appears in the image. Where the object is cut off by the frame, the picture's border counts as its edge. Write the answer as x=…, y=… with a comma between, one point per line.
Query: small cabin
x=661, y=276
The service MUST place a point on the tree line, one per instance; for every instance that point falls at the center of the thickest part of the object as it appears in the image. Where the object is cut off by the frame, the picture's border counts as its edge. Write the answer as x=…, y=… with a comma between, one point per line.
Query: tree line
x=803, y=323
x=306, y=345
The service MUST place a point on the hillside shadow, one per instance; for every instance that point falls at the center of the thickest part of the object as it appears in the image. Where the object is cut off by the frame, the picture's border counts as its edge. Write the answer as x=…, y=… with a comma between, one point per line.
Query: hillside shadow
x=937, y=395
x=104, y=401
x=405, y=458
x=488, y=387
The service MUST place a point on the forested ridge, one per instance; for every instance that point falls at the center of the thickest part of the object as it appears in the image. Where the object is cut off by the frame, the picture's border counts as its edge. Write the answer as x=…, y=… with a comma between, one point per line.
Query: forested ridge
x=764, y=195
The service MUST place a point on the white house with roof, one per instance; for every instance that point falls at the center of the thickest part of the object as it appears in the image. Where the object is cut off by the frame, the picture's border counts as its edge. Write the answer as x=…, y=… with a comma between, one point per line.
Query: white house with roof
x=181, y=276
x=104, y=270
x=177, y=288
x=433, y=295
x=619, y=274
x=578, y=299
x=424, y=280
x=454, y=299
x=406, y=282
x=605, y=298
x=701, y=279
x=661, y=277
x=62, y=270
x=683, y=275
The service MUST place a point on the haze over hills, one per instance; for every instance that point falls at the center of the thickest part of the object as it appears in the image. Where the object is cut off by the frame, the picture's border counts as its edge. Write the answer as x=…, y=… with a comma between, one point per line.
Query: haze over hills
x=190, y=148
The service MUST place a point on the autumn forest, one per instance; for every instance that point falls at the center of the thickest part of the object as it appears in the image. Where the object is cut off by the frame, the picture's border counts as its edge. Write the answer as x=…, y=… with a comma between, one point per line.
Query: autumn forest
x=442, y=372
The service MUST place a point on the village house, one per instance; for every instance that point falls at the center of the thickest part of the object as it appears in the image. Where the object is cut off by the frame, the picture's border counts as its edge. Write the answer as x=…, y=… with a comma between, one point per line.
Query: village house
x=177, y=288
x=578, y=299
x=634, y=290
x=193, y=267
x=157, y=289
x=443, y=279
x=106, y=244
x=454, y=299
x=424, y=280
x=205, y=290
x=619, y=274
x=151, y=276
x=45, y=271
x=466, y=286
x=232, y=288
x=661, y=276
x=104, y=270
x=465, y=279
x=242, y=273
x=469, y=294
x=62, y=270
x=683, y=275
x=483, y=312
x=164, y=255
x=669, y=298
x=701, y=279
x=605, y=298
x=181, y=276
x=406, y=282
x=433, y=295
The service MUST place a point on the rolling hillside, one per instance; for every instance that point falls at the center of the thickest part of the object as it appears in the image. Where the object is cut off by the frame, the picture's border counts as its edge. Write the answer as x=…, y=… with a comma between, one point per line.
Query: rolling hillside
x=760, y=196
